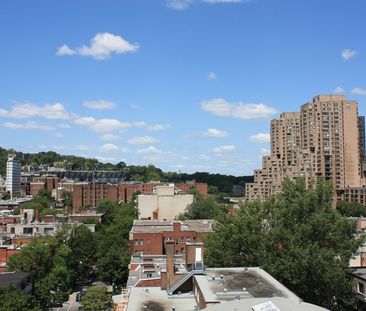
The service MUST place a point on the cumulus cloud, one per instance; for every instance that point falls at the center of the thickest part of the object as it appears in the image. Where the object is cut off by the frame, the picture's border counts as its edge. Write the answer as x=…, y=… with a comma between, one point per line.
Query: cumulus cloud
x=215, y=133
x=135, y=106
x=64, y=126
x=59, y=135
x=264, y=152
x=101, y=47
x=154, y=127
x=148, y=150
x=99, y=104
x=223, y=108
x=109, y=148
x=102, y=125
x=178, y=4
x=260, y=138
x=184, y=4
x=358, y=91
x=28, y=125
x=204, y=157
x=224, y=148
x=212, y=76
x=347, y=54
x=142, y=140
x=30, y=110
x=338, y=90
x=109, y=137
x=65, y=50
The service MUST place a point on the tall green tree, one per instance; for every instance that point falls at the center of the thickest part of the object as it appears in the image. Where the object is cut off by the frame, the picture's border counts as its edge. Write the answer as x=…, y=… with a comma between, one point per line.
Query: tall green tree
x=297, y=237
x=13, y=299
x=97, y=299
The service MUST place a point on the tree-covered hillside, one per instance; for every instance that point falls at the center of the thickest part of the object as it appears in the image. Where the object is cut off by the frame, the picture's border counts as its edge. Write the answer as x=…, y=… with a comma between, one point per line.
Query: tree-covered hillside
x=144, y=173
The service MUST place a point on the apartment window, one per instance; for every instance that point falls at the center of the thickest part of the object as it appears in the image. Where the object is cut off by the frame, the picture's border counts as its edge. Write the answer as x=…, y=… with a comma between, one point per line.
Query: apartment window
x=361, y=288
x=141, y=242
x=136, y=242
x=148, y=241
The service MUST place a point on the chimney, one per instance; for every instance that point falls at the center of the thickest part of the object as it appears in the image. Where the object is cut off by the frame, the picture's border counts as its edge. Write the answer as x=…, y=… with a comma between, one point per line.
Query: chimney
x=176, y=226
x=169, y=248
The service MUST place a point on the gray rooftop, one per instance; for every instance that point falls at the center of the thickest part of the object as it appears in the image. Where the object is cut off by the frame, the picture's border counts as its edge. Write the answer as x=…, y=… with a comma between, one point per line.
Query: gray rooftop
x=225, y=284
x=282, y=304
x=157, y=226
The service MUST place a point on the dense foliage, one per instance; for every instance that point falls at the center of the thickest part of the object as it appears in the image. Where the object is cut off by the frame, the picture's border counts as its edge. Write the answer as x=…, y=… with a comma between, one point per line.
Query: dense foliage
x=351, y=209
x=13, y=299
x=76, y=256
x=97, y=298
x=297, y=237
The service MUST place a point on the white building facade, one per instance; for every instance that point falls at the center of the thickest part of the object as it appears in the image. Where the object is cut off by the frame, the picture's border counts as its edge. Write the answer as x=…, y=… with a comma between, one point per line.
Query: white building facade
x=13, y=169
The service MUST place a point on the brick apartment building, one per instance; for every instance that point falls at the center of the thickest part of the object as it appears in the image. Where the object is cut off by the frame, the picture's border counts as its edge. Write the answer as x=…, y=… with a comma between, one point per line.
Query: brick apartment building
x=149, y=236
x=90, y=194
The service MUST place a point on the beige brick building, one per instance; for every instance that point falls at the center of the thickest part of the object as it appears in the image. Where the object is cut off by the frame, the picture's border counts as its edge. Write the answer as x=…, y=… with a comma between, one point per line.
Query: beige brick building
x=326, y=138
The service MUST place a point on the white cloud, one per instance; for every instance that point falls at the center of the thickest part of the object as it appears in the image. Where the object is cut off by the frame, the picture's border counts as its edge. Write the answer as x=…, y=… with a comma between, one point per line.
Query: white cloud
x=212, y=76
x=178, y=4
x=142, y=140
x=135, y=106
x=204, y=157
x=28, y=125
x=65, y=50
x=358, y=91
x=260, y=138
x=109, y=137
x=185, y=158
x=338, y=90
x=99, y=104
x=264, y=152
x=154, y=127
x=103, y=125
x=148, y=150
x=101, y=47
x=215, y=133
x=59, y=135
x=347, y=54
x=223, y=108
x=29, y=110
x=184, y=4
x=64, y=126
x=224, y=148
x=109, y=148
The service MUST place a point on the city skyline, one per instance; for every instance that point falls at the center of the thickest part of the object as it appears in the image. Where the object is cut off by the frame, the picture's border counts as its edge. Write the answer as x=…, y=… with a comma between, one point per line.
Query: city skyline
x=181, y=84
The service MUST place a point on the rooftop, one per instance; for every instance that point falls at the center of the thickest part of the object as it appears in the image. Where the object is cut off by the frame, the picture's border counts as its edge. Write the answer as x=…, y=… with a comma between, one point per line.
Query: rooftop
x=226, y=284
x=157, y=226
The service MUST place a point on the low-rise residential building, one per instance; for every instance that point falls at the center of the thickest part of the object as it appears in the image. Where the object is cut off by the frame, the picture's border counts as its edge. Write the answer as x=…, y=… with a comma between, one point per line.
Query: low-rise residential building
x=165, y=203
x=147, y=237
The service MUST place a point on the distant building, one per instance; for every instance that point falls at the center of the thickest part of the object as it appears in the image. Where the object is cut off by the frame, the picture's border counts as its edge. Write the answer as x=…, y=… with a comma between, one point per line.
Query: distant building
x=13, y=170
x=165, y=203
x=325, y=139
x=90, y=194
x=147, y=237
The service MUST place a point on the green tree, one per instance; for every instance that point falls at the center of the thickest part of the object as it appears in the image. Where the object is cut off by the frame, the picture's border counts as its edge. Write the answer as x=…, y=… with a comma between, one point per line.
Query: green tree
x=297, y=237
x=97, y=299
x=83, y=251
x=13, y=299
x=351, y=209
x=67, y=198
x=203, y=208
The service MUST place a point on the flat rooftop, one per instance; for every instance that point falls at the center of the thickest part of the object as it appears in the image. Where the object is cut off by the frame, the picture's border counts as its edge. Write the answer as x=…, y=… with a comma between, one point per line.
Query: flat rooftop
x=265, y=304
x=227, y=284
x=157, y=226
x=155, y=299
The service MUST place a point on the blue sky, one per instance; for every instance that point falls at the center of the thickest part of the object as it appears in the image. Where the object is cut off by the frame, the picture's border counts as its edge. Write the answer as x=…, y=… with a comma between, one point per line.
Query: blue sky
x=187, y=85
